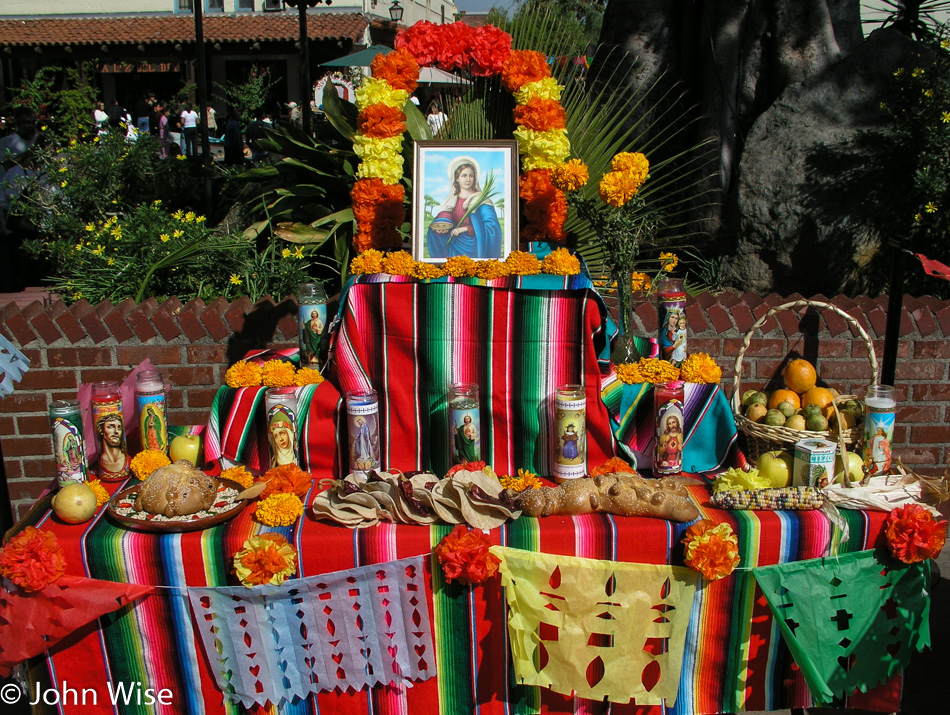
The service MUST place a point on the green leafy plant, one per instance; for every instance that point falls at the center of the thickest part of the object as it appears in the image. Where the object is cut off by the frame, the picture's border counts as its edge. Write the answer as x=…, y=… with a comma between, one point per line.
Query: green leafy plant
x=251, y=94
x=62, y=99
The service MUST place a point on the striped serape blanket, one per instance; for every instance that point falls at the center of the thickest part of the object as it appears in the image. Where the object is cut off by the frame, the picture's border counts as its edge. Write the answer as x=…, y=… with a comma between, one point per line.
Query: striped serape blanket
x=735, y=656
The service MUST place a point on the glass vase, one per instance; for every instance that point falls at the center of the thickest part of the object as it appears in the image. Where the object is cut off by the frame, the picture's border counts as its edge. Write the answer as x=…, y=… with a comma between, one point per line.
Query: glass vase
x=625, y=348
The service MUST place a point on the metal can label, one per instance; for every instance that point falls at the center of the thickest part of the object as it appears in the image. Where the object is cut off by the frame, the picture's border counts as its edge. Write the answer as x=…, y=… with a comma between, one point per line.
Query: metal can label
x=69, y=450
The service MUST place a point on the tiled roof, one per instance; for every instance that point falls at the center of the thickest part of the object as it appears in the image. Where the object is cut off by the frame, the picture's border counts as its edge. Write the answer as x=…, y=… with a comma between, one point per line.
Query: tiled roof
x=145, y=29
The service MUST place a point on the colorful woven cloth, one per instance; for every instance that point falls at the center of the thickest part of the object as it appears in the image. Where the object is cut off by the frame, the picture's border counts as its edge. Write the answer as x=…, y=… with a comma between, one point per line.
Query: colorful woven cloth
x=735, y=656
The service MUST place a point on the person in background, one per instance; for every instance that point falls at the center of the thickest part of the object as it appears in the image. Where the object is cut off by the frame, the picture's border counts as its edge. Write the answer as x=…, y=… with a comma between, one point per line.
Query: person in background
x=233, y=140
x=143, y=115
x=164, y=136
x=435, y=119
x=211, y=118
x=296, y=115
x=189, y=127
x=254, y=132
x=24, y=134
x=101, y=118
x=174, y=126
x=116, y=113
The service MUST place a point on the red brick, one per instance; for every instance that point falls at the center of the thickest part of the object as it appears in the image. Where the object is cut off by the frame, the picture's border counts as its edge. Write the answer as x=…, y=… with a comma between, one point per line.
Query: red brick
x=859, y=348
x=44, y=326
x=920, y=413
x=878, y=320
x=236, y=312
x=696, y=318
x=912, y=456
x=92, y=322
x=138, y=319
x=769, y=325
x=201, y=397
x=191, y=417
x=727, y=299
x=931, y=349
x=17, y=321
x=27, y=446
x=158, y=354
x=164, y=319
x=853, y=370
x=834, y=323
x=743, y=317
x=189, y=321
x=35, y=356
x=287, y=323
x=32, y=488
x=789, y=321
x=75, y=357
x=210, y=354
x=13, y=468
x=710, y=346
x=35, y=424
x=917, y=370
x=48, y=380
x=19, y=402
x=751, y=300
x=758, y=347
x=39, y=468
x=6, y=426
x=930, y=434
x=922, y=393
x=68, y=322
x=116, y=321
x=101, y=375
x=647, y=314
x=719, y=318
x=706, y=299
x=768, y=371
x=211, y=318
x=188, y=376
x=834, y=348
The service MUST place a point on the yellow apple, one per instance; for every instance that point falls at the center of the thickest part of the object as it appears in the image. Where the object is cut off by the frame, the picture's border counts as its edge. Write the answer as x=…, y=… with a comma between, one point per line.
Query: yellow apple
x=75, y=503
x=855, y=467
x=776, y=466
x=186, y=446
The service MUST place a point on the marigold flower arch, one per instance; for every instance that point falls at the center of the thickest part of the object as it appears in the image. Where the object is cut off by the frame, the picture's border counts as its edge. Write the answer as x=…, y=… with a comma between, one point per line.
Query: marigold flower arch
x=485, y=51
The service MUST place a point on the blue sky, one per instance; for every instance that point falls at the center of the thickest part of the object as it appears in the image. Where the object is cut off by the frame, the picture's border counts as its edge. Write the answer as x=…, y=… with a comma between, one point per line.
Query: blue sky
x=482, y=5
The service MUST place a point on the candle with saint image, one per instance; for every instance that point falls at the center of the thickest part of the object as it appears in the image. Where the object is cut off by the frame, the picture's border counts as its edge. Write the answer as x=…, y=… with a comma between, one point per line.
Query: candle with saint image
x=362, y=419
x=880, y=406
x=570, y=423
x=281, y=405
x=150, y=402
x=671, y=314
x=668, y=408
x=464, y=423
x=109, y=424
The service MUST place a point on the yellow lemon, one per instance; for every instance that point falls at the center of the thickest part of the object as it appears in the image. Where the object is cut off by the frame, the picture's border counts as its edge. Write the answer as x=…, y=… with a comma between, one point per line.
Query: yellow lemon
x=75, y=503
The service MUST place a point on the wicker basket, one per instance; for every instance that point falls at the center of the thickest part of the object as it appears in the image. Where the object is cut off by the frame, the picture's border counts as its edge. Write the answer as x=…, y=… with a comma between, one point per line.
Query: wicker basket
x=759, y=438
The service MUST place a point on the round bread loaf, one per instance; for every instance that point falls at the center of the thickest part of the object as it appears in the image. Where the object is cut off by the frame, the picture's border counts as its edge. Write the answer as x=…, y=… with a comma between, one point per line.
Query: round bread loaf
x=177, y=489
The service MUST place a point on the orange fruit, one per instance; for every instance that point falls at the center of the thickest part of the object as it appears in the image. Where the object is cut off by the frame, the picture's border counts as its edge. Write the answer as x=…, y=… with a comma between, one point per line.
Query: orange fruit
x=780, y=396
x=820, y=396
x=800, y=376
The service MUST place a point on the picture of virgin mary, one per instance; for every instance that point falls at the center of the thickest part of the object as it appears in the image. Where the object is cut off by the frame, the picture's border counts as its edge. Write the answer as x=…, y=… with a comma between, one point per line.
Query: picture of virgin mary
x=466, y=224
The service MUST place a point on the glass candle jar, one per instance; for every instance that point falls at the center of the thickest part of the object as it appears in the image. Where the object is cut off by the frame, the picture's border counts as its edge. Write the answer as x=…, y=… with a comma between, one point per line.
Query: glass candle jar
x=668, y=408
x=311, y=321
x=281, y=406
x=150, y=396
x=114, y=460
x=465, y=425
x=362, y=417
x=570, y=424
x=880, y=408
x=69, y=446
x=671, y=318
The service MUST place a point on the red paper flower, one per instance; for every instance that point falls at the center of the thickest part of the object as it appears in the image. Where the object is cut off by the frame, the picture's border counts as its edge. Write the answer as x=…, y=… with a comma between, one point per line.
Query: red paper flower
x=466, y=466
x=522, y=67
x=612, y=466
x=464, y=556
x=913, y=534
x=32, y=560
x=399, y=68
x=421, y=40
x=378, y=120
x=455, y=39
x=490, y=48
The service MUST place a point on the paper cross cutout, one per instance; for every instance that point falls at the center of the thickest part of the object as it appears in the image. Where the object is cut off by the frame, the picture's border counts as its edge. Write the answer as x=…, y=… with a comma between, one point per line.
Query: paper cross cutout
x=349, y=629
x=851, y=622
x=600, y=629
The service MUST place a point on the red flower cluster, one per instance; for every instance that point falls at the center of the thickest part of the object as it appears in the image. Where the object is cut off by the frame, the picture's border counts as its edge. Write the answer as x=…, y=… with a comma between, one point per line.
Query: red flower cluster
x=399, y=68
x=545, y=207
x=522, y=67
x=481, y=50
x=913, y=534
x=380, y=121
x=541, y=115
x=32, y=560
x=378, y=209
x=465, y=466
x=464, y=556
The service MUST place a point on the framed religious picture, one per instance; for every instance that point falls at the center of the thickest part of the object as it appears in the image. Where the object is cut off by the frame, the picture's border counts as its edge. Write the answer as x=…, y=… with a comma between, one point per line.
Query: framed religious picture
x=465, y=200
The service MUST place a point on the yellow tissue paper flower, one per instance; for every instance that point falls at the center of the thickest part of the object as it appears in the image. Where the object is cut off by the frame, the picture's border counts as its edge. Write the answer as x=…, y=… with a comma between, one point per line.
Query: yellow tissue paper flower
x=542, y=150
x=546, y=88
x=379, y=91
x=381, y=158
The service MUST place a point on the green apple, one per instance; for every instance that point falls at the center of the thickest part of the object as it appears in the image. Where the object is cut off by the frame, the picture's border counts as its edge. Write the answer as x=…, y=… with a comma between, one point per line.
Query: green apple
x=855, y=467
x=776, y=466
x=186, y=446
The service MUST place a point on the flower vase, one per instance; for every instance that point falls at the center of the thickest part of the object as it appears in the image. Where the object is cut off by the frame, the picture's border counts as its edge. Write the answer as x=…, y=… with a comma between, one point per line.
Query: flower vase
x=625, y=348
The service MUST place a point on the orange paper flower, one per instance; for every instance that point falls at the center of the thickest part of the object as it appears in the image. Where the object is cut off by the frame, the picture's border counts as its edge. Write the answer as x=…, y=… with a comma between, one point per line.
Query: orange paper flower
x=465, y=557
x=144, y=463
x=277, y=373
x=399, y=68
x=712, y=549
x=286, y=479
x=522, y=67
x=379, y=210
x=541, y=115
x=613, y=465
x=265, y=558
x=32, y=560
x=913, y=534
x=378, y=120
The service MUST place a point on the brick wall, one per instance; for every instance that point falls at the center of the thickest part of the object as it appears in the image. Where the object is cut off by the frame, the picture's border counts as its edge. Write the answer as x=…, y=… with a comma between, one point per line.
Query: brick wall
x=192, y=344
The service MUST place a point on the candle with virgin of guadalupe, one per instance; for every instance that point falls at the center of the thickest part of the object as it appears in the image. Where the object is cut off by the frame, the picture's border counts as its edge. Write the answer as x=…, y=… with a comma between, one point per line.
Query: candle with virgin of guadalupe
x=281, y=405
x=69, y=447
x=570, y=424
x=150, y=401
x=671, y=316
x=109, y=423
x=668, y=408
x=464, y=423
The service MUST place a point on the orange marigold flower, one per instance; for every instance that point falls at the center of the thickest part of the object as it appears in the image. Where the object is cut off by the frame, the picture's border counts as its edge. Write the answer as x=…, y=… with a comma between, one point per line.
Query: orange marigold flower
x=712, y=549
x=459, y=267
x=307, y=376
x=640, y=281
x=243, y=374
x=279, y=510
x=522, y=263
x=32, y=560
x=541, y=115
x=238, y=474
x=614, y=465
x=426, y=271
x=522, y=67
x=146, y=462
x=561, y=263
x=286, y=479
x=491, y=269
x=399, y=68
x=570, y=176
x=369, y=261
x=277, y=373
x=700, y=368
x=265, y=558
x=635, y=164
x=102, y=494
x=378, y=120
x=658, y=371
x=629, y=373
x=617, y=188
x=398, y=263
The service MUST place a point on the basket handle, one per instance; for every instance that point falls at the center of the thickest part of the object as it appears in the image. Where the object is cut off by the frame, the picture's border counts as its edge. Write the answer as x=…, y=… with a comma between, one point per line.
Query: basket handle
x=737, y=378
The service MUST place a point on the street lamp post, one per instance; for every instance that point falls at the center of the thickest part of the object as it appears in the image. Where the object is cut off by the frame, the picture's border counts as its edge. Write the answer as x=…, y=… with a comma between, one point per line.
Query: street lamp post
x=306, y=88
x=395, y=11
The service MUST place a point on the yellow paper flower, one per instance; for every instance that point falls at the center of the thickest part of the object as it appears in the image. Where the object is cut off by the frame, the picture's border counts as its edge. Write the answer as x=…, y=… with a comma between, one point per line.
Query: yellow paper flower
x=381, y=158
x=398, y=263
x=616, y=188
x=523, y=263
x=369, y=261
x=633, y=163
x=308, y=376
x=629, y=373
x=102, y=495
x=657, y=371
x=700, y=368
x=144, y=463
x=238, y=474
x=279, y=509
x=265, y=558
x=379, y=91
x=542, y=150
x=491, y=269
x=243, y=374
x=459, y=267
x=668, y=261
x=277, y=373
x=561, y=263
x=570, y=176
x=546, y=88
x=712, y=549
x=426, y=271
